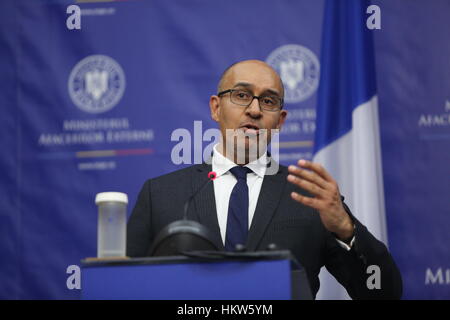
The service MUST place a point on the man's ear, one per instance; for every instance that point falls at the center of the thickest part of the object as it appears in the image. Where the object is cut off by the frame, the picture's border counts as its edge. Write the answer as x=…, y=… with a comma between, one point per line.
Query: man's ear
x=283, y=115
x=214, y=107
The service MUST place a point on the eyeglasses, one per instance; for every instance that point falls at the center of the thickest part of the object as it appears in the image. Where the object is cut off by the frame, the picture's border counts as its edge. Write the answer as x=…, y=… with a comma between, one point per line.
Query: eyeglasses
x=245, y=98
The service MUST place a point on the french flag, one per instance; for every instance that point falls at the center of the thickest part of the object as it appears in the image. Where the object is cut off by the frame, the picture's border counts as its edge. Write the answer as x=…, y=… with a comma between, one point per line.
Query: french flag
x=347, y=139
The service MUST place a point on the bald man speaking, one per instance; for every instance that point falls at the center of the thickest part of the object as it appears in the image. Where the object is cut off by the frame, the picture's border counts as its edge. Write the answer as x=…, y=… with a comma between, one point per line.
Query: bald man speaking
x=298, y=208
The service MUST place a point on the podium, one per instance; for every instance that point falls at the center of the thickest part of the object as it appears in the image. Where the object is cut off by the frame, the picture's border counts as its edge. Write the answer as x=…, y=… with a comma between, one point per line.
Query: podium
x=264, y=275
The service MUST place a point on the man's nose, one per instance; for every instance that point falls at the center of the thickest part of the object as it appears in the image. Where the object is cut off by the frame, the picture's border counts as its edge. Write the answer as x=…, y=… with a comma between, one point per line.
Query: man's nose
x=253, y=109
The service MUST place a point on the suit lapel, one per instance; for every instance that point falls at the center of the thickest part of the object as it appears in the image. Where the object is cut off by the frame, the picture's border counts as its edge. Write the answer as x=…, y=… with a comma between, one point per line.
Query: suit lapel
x=269, y=197
x=205, y=203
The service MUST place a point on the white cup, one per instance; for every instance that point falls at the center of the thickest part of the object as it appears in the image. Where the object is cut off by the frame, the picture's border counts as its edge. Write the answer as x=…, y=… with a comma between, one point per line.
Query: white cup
x=112, y=223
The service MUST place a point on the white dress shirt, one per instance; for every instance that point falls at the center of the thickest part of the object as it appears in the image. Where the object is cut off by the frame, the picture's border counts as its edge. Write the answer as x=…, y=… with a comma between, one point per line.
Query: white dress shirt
x=225, y=182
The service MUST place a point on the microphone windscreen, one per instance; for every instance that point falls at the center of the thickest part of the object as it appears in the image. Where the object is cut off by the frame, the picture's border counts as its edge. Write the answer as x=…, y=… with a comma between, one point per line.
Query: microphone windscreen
x=212, y=175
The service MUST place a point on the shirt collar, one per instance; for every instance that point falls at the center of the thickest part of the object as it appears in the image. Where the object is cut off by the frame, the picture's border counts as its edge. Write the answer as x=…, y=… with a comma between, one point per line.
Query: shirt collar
x=221, y=164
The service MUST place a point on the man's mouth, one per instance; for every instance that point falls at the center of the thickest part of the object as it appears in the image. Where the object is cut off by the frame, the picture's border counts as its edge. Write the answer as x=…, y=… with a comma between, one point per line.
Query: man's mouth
x=250, y=129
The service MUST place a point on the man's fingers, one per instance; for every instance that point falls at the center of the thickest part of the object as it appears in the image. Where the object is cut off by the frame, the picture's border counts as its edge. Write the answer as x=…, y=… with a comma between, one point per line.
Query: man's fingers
x=307, y=201
x=317, y=168
x=308, y=175
x=306, y=185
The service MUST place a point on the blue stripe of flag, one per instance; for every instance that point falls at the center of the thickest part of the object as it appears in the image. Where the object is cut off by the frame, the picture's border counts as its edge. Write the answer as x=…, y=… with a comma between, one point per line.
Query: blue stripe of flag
x=347, y=77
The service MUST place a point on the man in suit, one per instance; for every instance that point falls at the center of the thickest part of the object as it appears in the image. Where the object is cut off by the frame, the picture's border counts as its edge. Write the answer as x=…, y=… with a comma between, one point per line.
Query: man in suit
x=298, y=208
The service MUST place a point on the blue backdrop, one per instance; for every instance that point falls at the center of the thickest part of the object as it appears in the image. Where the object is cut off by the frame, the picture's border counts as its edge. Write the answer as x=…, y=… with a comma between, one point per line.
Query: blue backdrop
x=92, y=110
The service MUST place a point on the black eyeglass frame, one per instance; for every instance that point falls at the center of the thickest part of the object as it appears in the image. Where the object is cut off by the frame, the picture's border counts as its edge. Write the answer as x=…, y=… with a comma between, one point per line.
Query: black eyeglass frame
x=221, y=93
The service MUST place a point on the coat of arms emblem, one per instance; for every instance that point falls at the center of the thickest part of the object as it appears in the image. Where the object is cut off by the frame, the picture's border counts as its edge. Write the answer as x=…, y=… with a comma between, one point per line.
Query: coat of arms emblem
x=96, y=84
x=299, y=70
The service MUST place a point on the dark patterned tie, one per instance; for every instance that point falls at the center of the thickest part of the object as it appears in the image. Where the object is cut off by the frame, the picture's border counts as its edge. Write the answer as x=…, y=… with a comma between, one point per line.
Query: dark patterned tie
x=237, y=221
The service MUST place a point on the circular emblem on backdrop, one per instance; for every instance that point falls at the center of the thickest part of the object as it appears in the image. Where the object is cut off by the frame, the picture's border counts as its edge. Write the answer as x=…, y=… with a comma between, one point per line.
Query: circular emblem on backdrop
x=96, y=84
x=299, y=70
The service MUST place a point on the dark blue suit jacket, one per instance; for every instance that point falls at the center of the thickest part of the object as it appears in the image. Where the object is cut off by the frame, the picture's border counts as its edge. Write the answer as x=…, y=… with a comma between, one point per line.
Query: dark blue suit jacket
x=278, y=219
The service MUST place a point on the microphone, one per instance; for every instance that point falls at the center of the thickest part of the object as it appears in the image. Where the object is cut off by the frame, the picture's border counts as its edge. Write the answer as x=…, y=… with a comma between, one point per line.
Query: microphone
x=184, y=235
x=211, y=177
